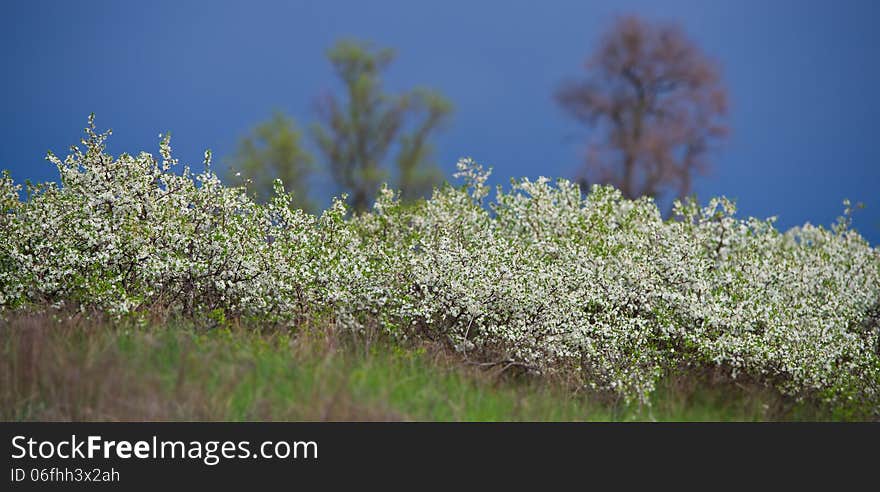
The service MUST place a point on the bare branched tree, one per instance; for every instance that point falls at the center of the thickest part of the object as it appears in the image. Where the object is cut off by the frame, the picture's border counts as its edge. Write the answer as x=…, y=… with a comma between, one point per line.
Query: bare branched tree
x=655, y=104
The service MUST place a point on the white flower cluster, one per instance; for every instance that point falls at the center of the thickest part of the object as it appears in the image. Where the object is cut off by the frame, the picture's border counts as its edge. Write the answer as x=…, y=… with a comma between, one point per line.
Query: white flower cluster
x=129, y=234
x=542, y=276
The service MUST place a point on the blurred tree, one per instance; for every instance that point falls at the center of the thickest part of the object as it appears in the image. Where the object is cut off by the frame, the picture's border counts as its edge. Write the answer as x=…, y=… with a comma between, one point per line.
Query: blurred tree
x=273, y=150
x=656, y=105
x=357, y=135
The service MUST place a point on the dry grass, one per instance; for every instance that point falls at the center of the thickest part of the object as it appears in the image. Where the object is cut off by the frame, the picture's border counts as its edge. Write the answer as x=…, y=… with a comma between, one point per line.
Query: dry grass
x=60, y=367
x=81, y=370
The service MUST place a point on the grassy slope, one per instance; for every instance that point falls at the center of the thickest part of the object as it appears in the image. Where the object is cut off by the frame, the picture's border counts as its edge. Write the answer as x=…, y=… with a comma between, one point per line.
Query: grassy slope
x=94, y=371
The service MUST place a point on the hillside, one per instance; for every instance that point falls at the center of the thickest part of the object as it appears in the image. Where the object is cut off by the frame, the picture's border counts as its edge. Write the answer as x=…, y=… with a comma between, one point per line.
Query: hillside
x=542, y=280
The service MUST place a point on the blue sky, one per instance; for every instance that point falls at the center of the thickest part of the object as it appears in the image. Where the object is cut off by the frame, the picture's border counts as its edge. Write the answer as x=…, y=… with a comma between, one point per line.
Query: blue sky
x=804, y=81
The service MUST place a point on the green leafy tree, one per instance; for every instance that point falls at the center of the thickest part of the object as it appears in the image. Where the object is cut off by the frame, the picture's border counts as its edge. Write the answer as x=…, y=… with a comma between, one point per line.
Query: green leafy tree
x=360, y=133
x=274, y=149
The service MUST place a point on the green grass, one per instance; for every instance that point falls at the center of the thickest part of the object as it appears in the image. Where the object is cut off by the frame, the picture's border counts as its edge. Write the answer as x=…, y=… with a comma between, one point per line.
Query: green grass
x=80, y=370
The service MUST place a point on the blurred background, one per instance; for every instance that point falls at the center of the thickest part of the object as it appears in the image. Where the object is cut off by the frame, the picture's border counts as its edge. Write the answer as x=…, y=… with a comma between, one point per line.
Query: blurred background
x=772, y=103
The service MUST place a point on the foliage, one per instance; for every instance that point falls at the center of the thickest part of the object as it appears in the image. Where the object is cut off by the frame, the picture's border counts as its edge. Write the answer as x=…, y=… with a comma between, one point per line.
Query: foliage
x=540, y=278
x=273, y=150
x=358, y=134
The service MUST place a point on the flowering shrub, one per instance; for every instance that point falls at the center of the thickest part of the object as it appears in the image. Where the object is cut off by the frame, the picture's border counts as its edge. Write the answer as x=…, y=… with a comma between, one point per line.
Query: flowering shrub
x=541, y=276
